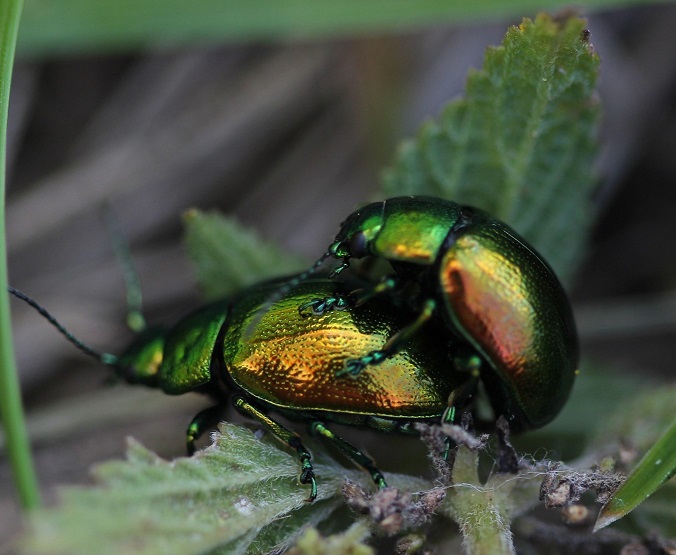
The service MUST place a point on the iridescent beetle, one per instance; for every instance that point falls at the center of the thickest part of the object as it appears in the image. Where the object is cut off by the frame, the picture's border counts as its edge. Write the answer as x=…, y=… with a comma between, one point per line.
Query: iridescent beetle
x=282, y=361
x=491, y=288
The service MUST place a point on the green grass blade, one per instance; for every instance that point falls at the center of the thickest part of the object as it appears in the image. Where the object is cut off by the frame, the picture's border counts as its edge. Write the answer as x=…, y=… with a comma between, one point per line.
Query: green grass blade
x=53, y=27
x=10, y=394
x=656, y=467
x=521, y=143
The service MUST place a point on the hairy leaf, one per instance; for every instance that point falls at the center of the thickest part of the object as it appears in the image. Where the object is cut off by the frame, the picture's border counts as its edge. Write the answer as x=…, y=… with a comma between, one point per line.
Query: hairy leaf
x=239, y=496
x=521, y=143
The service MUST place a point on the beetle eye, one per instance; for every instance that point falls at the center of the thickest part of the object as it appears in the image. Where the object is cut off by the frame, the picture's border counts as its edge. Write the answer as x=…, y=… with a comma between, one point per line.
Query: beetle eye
x=358, y=245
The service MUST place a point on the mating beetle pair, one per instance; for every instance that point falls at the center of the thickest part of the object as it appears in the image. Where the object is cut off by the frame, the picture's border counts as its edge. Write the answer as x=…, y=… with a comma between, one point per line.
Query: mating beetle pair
x=496, y=310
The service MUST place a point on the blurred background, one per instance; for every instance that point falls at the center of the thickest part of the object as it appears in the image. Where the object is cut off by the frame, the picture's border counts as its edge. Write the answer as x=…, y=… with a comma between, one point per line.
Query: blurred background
x=287, y=136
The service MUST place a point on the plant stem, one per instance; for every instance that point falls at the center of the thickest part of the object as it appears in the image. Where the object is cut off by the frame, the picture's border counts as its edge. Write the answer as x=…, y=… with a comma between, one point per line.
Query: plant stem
x=482, y=513
x=11, y=410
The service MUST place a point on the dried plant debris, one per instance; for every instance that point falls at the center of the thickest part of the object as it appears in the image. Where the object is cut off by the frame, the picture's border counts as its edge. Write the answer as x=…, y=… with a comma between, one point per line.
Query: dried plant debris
x=412, y=544
x=561, y=488
x=349, y=542
x=392, y=511
x=508, y=460
x=440, y=439
x=576, y=514
x=437, y=443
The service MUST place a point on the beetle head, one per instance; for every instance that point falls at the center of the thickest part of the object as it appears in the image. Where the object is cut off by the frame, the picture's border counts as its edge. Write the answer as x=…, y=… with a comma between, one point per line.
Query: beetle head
x=358, y=231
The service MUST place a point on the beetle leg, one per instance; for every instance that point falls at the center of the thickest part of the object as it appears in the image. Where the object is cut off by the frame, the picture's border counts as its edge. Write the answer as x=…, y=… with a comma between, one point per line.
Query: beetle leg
x=395, y=342
x=351, y=452
x=344, y=264
x=458, y=398
x=317, y=307
x=449, y=417
x=354, y=366
x=307, y=475
x=200, y=423
x=386, y=285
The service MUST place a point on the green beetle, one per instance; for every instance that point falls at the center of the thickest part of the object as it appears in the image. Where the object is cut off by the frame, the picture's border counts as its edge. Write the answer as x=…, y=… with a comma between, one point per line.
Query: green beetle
x=275, y=358
x=493, y=290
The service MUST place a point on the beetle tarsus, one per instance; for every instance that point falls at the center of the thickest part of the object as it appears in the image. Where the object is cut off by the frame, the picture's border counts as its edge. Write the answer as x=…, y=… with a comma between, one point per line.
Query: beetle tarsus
x=321, y=306
x=377, y=477
x=355, y=366
x=352, y=452
x=307, y=476
x=202, y=421
x=344, y=264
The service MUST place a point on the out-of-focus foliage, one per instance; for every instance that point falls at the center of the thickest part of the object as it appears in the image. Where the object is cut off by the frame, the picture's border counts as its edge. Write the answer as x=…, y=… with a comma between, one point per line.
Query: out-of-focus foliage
x=68, y=26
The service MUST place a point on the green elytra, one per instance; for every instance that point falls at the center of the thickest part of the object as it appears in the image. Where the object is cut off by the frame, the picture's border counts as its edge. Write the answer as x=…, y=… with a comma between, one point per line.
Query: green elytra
x=288, y=363
x=492, y=289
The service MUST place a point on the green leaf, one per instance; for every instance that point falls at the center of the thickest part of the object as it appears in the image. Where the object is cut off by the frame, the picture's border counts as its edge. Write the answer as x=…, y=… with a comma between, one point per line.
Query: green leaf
x=657, y=514
x=521, y=144
x=656, y=467
x=238, y=496
x=230, y=257
x=51, y=27
x=347, y=543
x=636, y=422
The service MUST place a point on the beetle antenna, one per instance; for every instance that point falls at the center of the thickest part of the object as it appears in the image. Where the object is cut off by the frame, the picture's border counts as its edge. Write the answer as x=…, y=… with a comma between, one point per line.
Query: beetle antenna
x=105, y=358
x=132, y=283
x=300, y=277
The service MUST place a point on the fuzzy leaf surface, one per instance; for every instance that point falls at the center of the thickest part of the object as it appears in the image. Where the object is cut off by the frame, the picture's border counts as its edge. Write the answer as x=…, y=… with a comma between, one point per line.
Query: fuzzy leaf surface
x=238, y=496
